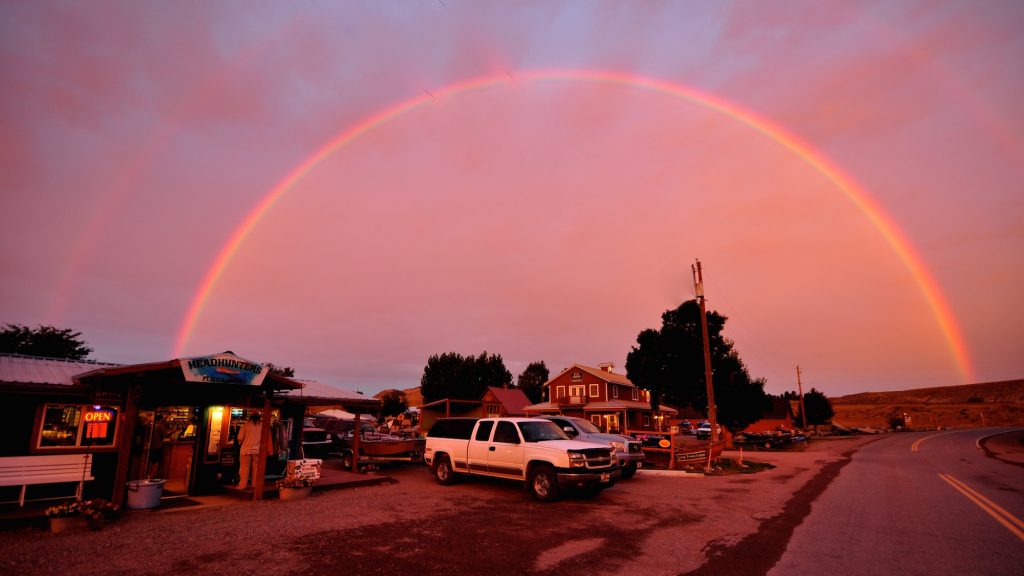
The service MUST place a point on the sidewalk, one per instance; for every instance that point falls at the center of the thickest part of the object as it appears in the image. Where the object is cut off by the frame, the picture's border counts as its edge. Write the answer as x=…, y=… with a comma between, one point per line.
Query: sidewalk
x=332, y=477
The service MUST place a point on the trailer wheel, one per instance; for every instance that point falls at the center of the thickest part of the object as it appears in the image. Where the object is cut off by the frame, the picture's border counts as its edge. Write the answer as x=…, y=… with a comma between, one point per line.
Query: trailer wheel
x=543, y=483
x=443, y=470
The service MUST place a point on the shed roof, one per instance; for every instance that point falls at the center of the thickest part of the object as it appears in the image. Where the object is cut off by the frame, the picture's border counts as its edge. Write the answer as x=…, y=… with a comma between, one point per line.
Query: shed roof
x=18, y=369
x=513, y=400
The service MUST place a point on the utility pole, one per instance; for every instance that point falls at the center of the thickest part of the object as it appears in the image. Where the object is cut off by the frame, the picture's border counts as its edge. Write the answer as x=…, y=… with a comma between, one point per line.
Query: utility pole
x=803, y=413
x=698, y=289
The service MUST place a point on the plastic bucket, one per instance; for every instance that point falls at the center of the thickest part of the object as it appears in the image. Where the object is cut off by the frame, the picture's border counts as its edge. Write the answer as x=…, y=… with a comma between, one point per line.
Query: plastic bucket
x=144, y=494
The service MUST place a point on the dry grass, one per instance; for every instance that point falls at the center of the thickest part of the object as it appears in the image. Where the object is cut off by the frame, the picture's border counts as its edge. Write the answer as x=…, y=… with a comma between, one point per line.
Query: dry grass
x=996, y=404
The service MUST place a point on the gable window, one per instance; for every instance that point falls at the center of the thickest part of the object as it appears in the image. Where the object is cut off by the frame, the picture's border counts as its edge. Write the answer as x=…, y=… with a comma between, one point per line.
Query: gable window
x=593, y=390
x=636, y=394
x=77, y=425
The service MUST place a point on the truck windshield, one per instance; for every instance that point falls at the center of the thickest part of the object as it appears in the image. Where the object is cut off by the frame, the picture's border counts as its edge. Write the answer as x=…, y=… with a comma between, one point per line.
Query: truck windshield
x=542, y=430
x=586, y=426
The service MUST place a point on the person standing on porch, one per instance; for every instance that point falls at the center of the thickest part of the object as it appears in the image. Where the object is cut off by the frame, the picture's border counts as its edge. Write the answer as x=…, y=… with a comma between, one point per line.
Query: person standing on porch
x=248, y=449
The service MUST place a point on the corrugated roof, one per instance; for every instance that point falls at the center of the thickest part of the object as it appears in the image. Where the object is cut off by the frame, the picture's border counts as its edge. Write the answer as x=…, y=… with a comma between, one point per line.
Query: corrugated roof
x=543, y=406
x=623, y=404
x=315, y=389
x=15, y=369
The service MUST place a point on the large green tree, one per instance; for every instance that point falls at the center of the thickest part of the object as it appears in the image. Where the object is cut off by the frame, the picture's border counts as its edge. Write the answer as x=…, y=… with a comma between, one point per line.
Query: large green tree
x=670, y=363
x=452, y=375
x=45, y=341
x=819, y=408
x=286, y=371
x=532, y=381
x=393, y=403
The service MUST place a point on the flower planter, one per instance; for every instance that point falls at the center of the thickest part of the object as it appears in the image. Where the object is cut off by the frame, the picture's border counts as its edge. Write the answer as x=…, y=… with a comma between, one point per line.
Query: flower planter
x=65, y=523
x=294, y=493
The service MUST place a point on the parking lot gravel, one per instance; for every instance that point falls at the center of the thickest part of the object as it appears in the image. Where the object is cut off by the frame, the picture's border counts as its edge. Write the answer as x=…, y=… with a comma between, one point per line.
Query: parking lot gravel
x=652, y=524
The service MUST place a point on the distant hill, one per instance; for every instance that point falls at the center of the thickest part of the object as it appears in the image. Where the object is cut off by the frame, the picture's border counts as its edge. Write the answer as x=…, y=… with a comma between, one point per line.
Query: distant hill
x=964, y=406
x=412, y=396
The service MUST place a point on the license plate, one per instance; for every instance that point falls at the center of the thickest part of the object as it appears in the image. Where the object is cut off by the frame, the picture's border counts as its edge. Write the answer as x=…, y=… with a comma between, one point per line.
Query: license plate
x=606, y=477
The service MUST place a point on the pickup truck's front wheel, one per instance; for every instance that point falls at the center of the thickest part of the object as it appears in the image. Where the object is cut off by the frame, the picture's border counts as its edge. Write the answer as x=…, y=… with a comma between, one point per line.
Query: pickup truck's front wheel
x=543, y=483
x=443, y=471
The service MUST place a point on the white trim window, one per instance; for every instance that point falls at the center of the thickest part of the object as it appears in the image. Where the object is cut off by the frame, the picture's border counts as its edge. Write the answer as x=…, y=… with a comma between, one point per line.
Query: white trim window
x=594, y=391
x=596, y=419
x=560, y=392
x=615, y=391
x=636, y=394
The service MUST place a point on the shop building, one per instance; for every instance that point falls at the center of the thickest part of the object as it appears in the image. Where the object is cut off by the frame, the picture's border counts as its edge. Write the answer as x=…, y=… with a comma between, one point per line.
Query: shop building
x=609, y=400
x=174, y=420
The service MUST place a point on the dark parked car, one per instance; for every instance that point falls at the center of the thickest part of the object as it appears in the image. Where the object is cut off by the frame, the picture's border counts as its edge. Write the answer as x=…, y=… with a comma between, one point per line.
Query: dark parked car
x=316, y=443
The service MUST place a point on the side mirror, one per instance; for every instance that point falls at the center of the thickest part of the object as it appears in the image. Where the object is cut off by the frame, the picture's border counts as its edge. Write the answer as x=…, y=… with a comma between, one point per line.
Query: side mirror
x=570, y=430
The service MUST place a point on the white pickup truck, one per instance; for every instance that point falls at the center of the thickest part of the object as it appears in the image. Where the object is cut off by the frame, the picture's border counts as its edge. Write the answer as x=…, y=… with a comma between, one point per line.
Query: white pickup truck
x=529, y=449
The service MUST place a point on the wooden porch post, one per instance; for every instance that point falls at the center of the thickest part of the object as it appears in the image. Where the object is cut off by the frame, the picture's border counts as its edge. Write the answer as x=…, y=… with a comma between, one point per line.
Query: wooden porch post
x=124, y=452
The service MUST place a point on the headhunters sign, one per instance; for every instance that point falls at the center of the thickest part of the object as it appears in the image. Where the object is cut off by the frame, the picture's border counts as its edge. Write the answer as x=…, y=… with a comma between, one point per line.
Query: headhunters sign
x=223, y=369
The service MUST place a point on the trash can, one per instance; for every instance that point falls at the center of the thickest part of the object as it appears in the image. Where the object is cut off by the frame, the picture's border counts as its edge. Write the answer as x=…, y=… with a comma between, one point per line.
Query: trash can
x=144, y=494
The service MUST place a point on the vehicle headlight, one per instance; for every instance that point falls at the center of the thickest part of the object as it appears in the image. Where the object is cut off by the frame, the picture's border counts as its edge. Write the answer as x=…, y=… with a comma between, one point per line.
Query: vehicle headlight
x=577, y=459
x=618, y=447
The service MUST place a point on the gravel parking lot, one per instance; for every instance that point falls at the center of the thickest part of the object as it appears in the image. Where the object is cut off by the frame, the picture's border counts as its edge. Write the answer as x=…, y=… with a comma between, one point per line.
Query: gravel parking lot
x=651, y=525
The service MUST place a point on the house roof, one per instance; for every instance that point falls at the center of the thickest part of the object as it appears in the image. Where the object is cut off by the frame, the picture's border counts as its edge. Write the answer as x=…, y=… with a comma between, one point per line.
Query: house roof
x=17, y=369
x=605, y=375
x=513, y=400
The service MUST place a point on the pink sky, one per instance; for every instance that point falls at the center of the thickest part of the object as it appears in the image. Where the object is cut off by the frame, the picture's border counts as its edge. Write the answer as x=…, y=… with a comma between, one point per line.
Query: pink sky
x=537, y=218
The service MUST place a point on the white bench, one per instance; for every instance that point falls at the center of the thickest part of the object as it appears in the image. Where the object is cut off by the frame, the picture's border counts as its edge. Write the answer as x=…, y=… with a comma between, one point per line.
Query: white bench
x=47, y=469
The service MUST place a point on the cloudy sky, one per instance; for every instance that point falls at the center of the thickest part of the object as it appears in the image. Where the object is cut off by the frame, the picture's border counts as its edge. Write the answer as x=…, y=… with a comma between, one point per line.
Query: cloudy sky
x=350, y=187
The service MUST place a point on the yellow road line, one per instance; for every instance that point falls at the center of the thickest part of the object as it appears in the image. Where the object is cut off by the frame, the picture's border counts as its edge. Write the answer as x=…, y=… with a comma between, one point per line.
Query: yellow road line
x=916, y=445
x=1008, y=520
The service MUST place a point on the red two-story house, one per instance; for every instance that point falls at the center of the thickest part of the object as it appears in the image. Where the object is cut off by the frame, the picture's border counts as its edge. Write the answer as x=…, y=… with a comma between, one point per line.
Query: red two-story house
x=607, y=399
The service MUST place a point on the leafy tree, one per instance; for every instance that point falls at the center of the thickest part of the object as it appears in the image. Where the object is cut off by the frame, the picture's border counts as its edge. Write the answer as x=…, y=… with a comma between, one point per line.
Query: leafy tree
x=285, y=371
x=45, y=341
x=393, y=403
x=451, y=375
x=819, y=408
x=670, y=363
x=532, y=381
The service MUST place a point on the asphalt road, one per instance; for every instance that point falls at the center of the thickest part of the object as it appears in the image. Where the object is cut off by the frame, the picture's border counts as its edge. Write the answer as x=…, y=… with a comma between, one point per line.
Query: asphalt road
x=916, y=503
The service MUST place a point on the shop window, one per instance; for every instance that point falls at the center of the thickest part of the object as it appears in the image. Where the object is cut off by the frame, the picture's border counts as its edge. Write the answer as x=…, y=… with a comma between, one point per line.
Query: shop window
x=593, y=390
x=76, y=425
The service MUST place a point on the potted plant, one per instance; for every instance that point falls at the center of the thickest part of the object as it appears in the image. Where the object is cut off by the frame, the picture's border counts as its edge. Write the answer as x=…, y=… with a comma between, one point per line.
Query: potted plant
x=291, y=487
x=97, y=511
x=64, y=516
